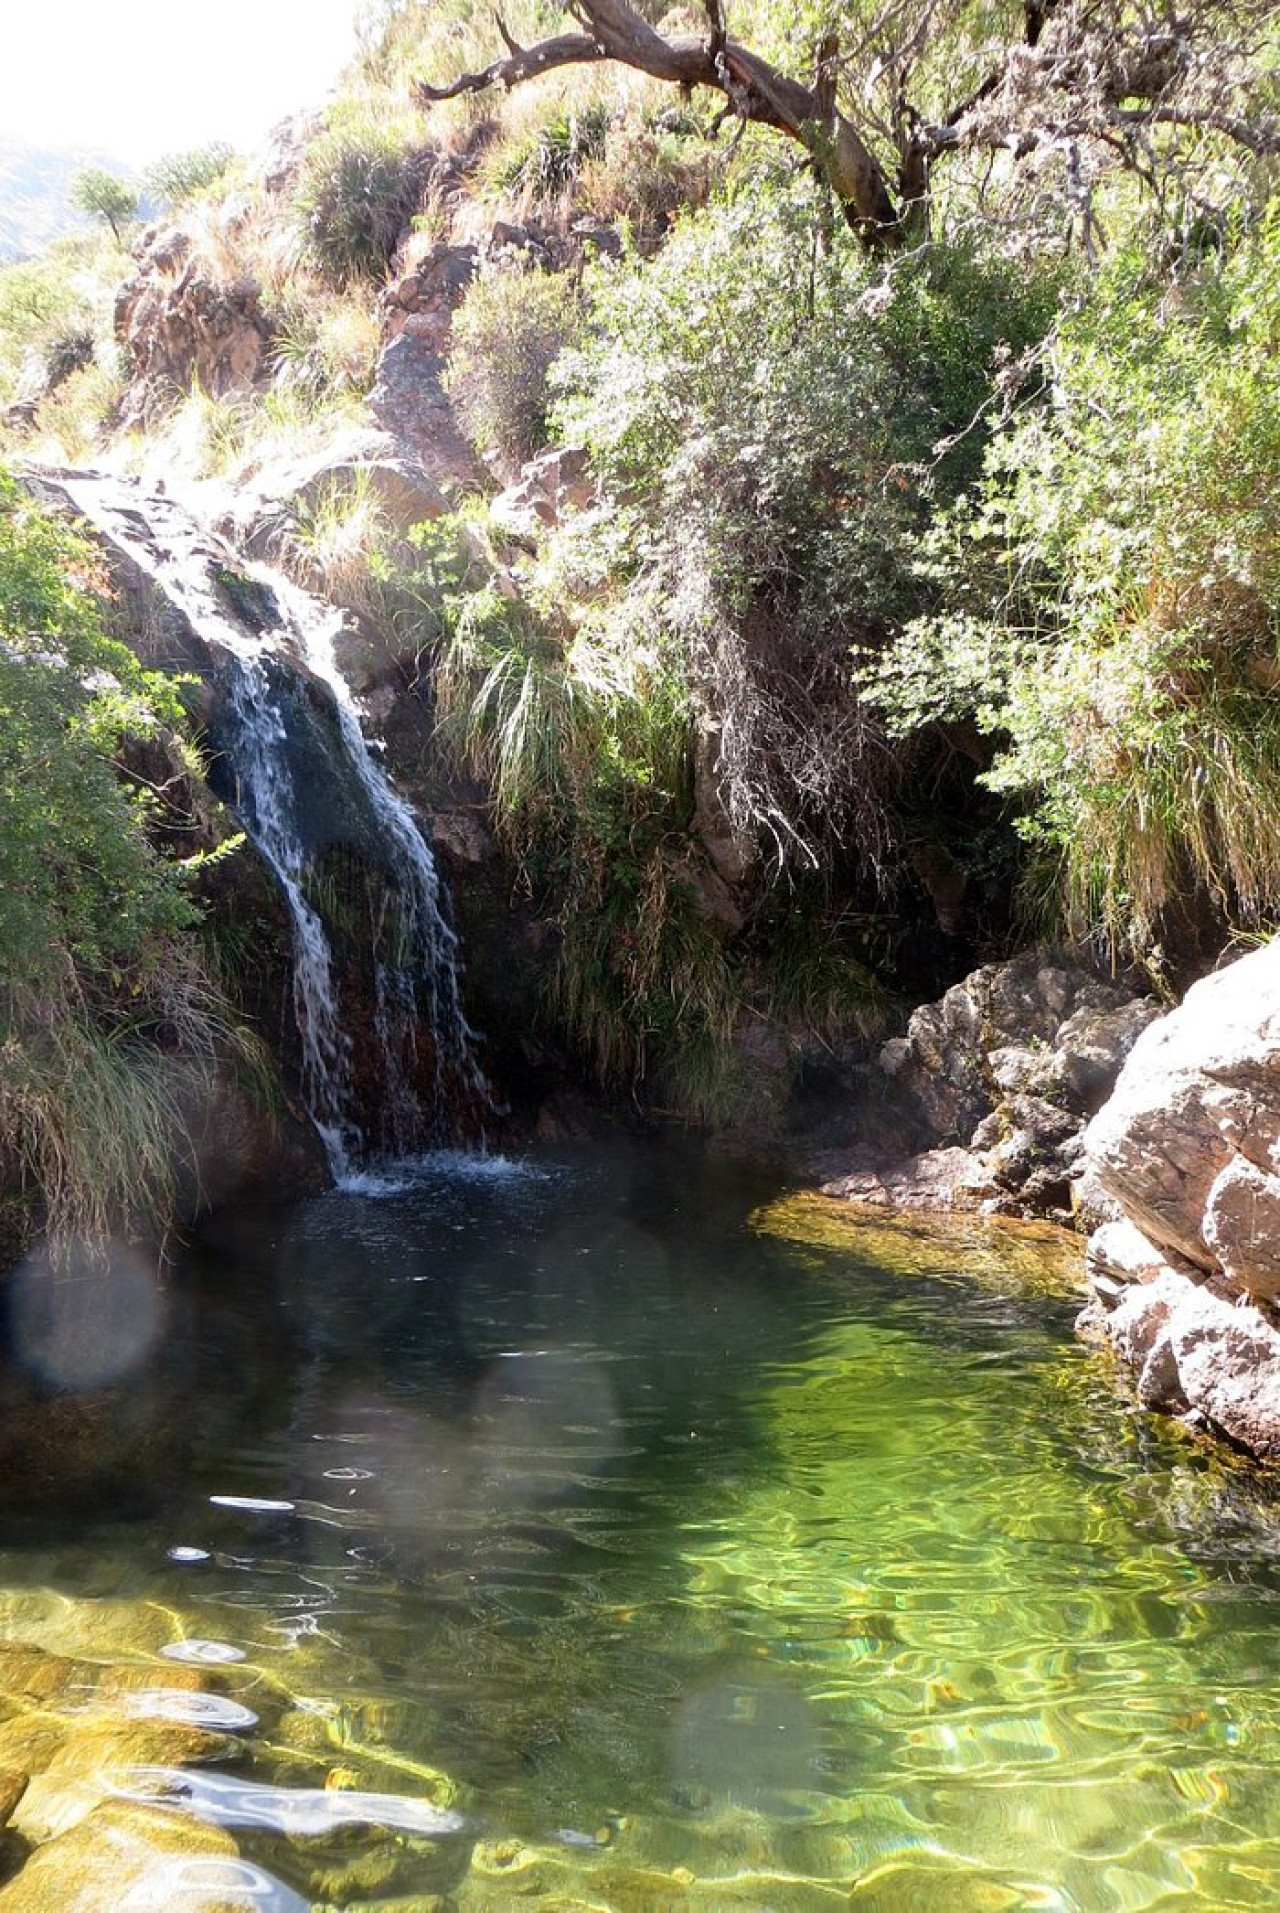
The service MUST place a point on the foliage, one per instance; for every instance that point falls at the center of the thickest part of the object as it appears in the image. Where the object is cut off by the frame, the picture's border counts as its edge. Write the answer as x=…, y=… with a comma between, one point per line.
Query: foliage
x=78, y=882
x=361, y=185
x=585, y=739
x=548, y=164
x=48, y=305
x=177, y=178
x=325, y=347
x=771, y=418
x=1113, y=599
x=507, y=334
x=109, y=1030
x=104, y=196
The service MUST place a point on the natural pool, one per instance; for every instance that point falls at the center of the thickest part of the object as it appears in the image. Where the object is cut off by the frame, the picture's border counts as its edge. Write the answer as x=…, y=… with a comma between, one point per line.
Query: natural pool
x=658, y=1544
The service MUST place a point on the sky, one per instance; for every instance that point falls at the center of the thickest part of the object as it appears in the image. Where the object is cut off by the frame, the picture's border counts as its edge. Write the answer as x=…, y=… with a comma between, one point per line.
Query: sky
x=138, y=79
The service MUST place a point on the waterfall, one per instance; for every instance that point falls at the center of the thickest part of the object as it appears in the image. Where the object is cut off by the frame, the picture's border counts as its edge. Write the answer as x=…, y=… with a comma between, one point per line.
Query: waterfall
x=300, y=776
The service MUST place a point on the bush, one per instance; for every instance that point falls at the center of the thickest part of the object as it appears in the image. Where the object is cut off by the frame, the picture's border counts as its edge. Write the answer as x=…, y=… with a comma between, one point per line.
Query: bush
x=507, y=334
x=1113, y=598
x=110, y=1033
x=179, y=177
x=42, y=303
x=360, y=188
x=772, y=421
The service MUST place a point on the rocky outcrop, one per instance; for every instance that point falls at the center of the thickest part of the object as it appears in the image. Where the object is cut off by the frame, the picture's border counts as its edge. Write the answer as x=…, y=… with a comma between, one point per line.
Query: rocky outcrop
x=551, y=485
x=182, y=326
x=1186, y=1273
x=408, y=399
x=988, y=1092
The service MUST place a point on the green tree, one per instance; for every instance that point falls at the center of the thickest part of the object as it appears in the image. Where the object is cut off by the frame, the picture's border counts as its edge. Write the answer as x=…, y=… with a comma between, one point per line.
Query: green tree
x=105, y=196
x=1113, y=597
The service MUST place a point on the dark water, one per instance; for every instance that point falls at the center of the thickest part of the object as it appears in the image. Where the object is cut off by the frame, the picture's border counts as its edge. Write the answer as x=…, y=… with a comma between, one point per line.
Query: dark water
x=660, y=1545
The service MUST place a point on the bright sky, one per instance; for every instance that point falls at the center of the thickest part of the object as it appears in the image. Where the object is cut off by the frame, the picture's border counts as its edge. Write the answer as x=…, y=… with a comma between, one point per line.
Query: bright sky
x=141, y=78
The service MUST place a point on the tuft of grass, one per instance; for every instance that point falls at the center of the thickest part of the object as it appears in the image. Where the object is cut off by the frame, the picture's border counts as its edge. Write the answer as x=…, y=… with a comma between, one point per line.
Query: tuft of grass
x=101, y=1112
x=326, y=347
x=361, y=186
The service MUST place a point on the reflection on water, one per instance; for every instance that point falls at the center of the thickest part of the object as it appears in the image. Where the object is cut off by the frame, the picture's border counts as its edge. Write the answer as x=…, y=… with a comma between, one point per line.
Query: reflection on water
x=605, y=1534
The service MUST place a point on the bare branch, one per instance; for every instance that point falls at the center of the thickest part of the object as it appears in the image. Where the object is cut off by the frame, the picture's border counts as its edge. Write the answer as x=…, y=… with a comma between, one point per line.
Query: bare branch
x=1256, y=137
x=522, y=63
x=754, y=88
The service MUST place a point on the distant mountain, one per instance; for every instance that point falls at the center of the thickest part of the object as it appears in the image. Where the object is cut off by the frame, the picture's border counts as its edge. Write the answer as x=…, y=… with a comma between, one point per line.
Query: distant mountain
x=35, y=194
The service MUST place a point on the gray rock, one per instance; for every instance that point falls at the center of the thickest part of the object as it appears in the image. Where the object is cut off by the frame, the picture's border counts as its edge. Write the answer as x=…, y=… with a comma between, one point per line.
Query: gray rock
x=1200, y=1090
x=1242, y=1227
x=1159, y=1384
x=278, y=494
x=1228, y=1360
x=1144, y=1315
x=1013, y=1058
x=938, y=1179
x=409, y=401
x=1121, y=1253
x=1031, y=1026
x=550, y=486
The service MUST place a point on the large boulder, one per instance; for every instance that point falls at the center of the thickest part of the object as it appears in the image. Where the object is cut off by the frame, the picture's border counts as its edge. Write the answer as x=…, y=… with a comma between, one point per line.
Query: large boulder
x=1188, y=1146
x=409, y=400
x=1187, y=1150
x=989, y=1090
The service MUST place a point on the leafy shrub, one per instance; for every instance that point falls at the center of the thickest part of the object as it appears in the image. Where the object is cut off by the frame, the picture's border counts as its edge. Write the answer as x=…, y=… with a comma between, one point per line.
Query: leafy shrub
x=110, y=1032
x=68, y=350
x=179, y=177
x=42, y=301
x=360, y=188
x=506, y=336
x=1113, y=601
x=771, y=422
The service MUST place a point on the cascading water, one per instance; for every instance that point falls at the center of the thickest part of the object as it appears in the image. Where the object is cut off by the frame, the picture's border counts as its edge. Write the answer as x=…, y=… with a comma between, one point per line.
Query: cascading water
x=269, y=649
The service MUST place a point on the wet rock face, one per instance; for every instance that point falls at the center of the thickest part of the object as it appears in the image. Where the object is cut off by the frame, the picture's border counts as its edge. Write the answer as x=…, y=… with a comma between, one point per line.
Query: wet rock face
x=179, y=327
x=992, y=1086
x=1188, y=1151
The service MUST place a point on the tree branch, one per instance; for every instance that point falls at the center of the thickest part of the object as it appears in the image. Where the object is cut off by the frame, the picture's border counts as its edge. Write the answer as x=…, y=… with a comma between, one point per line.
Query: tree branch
x=754, y=88
x=521, y=63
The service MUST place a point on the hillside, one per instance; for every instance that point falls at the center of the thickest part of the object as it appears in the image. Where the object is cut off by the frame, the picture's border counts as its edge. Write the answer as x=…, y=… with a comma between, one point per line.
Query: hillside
x=35, y=188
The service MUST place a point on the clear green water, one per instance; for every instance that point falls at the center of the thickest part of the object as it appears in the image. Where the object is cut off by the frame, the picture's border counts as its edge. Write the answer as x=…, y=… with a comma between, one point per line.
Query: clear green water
x=697, y=1552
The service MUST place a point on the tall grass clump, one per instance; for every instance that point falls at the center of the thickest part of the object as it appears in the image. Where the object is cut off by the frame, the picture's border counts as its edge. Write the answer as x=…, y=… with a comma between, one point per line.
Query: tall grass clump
x=360, y=188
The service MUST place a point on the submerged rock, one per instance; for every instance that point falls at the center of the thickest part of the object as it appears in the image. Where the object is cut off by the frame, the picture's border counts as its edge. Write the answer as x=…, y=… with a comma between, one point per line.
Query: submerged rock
x=1188, y=1150
x=122, y=1855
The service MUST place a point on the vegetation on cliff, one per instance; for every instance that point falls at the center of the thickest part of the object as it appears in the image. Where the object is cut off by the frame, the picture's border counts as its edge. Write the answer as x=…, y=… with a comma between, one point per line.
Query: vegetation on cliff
x=921, y=552
x=111, y=1029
